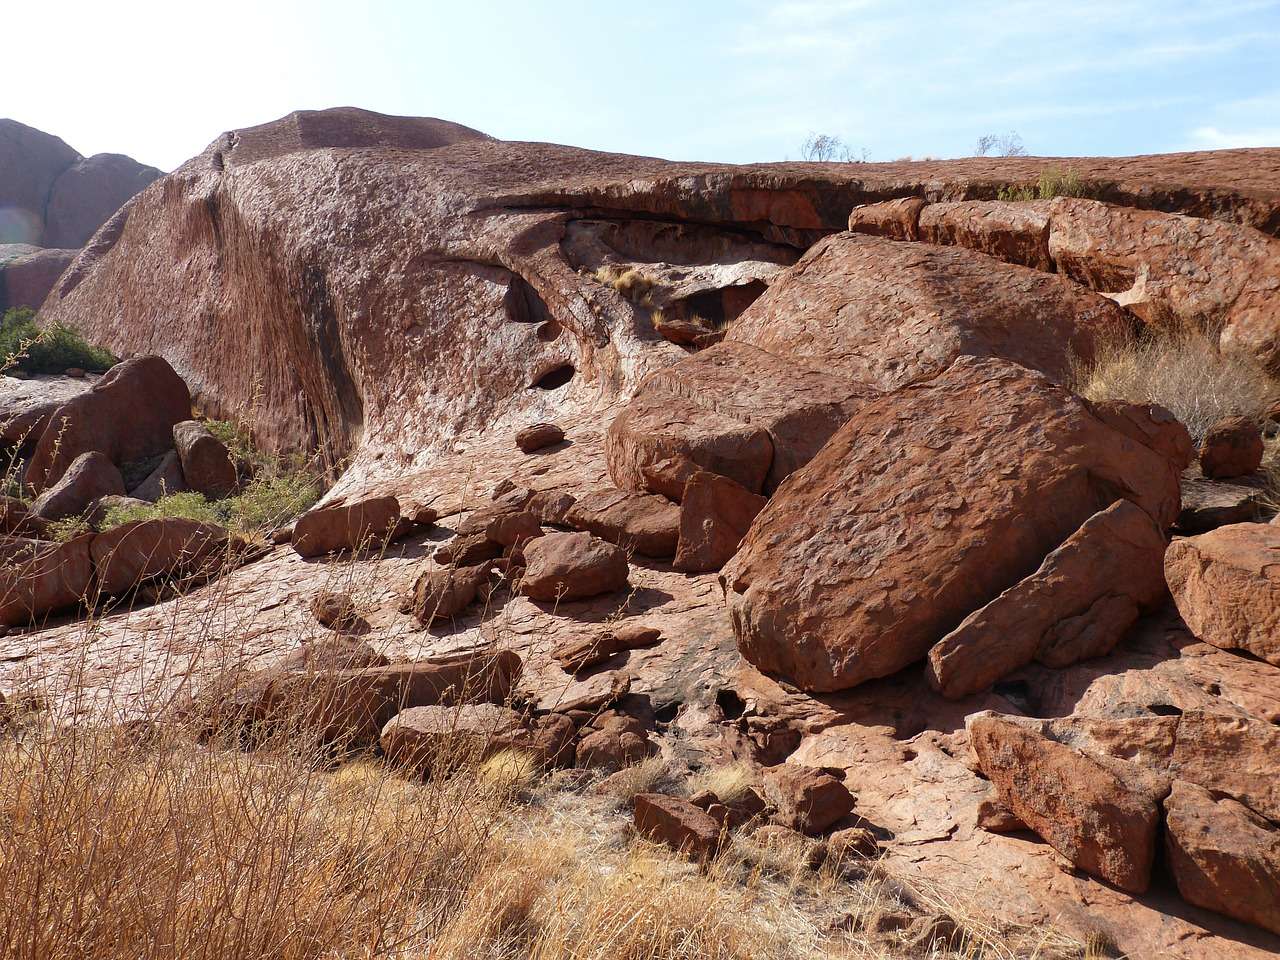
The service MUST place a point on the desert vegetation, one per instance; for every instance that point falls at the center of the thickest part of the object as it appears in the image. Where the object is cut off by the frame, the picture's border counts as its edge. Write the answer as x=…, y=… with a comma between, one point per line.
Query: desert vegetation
x=1053, y=182
x=26, y=348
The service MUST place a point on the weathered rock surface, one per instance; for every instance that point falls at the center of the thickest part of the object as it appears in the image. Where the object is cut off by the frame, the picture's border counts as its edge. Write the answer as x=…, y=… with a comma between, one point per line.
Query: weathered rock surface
x=27, y=274
x=1100, y=813
x=715, y=514
x=677, y=823
x=806, y=799
x=30, y=163
x=89, y=477
x=927, y=505
x=134, y=552
x=648, y=524
x=435, y=739
x=206, y=464
x=26, y=406
x=1077, y=604
x=1223, y=856
x=1231, y=448
x=87, y=193
x=165, y=479
x=345, y=526
x=572, y=566
x=127, y=415
x=1209, y=504
x=534, y=438
x=1226, y=584
x=440, y=594
x=589, y=651
x=37, y=577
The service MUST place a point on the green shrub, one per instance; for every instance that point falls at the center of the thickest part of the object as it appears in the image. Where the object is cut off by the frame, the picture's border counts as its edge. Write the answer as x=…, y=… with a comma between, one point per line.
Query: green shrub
x=1053, y=182
x=52, y=350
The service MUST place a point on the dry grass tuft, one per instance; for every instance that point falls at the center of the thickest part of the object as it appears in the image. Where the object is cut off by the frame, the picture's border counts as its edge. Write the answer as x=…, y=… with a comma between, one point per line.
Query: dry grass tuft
x=1182, y=370
x=630, y=282
x=729, y=782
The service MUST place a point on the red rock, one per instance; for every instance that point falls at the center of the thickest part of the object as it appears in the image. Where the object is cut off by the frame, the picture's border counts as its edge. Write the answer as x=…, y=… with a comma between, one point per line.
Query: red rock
x=345, y=526
x=127, y=415
x=37, y=577
x=995, y=817
x=552, y=741
x=896, y=219
x=1232, y=755
x=16, y=518
x=886, y=313
x=1223, y=856
x=1209, y=504
x=334, y=609
x=686, y=331
x=206, y=464
x=436, y=739
x=806, y=799
x=923, y=508
x=31, y=162
x=648, y=524
x=27, y=405
x=1078, y=604
x=97, y=513
x=1100, y=813
x=140, y=550
x=441, y=594
x=27, y=274
x=715, y=514
x=540, y=435
x=1012, y=232
x=1231, y=448
x=514, y=529
x=578, y=655
x=472, y=550
x=678, y=824
x=614, y=740
x=1226, y=585
x=87, y=193
x=165, y=479
x=90, y=476
x=571, y=566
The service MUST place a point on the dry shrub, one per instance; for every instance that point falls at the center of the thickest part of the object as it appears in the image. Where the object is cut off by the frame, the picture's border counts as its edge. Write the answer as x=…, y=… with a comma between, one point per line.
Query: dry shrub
x=630, y=282
x=1182, y=370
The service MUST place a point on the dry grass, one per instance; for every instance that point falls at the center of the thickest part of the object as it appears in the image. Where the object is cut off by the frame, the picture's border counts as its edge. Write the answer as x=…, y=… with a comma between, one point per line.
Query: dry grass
x=1182, y=370
x=630, y=282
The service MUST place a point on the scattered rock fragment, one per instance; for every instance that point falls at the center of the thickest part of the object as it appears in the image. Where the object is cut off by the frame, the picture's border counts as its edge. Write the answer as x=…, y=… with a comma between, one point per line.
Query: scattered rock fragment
x=1226, y=585
x=171, y=547
x=572, y=566
x=648, y=524
x=441, y=594
x=342, y=526
x=677, y=823
x=334, y=609
x=538, y=436
x=806, y=799
x=1231, y=448
x=579, y=655
x=436, y=739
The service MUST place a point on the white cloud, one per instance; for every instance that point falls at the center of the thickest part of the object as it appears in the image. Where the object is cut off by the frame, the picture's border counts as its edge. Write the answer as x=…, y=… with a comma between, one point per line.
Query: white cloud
x=1211, y=138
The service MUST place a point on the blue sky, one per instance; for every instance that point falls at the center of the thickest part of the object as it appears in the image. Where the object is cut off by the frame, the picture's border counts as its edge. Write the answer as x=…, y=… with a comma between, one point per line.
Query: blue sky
x=723, y=81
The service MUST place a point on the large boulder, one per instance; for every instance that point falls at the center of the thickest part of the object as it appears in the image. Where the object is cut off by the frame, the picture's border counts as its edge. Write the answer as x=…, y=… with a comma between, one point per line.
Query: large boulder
x=1077, y=604
x=648, y=524
x=127, y=415
x=926, y=506
x=441, y=594
x=1223, y=856
x=346, y=526
x=27, y=405
x=172, y=547
x=1100, y=813
x=38, y=577
x=572, y=566
x=715, y=514
x=87, y=193
x=806, y=799
x=206, y=464
x=1226, y=585
x=1231, y=448
x=90, y=477
x=30, y=163
x=27, y=274
x=165, y=479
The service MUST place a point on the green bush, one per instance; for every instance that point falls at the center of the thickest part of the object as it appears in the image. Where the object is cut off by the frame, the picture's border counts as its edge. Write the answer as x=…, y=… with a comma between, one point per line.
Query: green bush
x=54, y=349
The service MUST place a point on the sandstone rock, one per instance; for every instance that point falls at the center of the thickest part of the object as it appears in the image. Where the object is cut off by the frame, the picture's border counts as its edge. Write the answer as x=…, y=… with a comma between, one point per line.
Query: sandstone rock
x=715, y=514
x=925, y=507
x=1015, y=232
x=732, y=409
x=206, y=465
x=851, y=845
x=1223, y=856
x=896, y=219
x=648, y=524
x=806, y=799
x=127, y=415
x=141, y=550
x=165, y=479
x=97, y=513
x=1232, y=448
x=28, y=274
x=437, y=739
x=38, y=577
x=551, y=741
x=90, y=476
x=571, y=566
x=27, y=405
x=995, y=817
x=441, y=594
x=540, y=435
x=1226, y=585
x=578, y=655
x=471, y=550
x=1230, y=755
x=351, y=706
x=887, y=313
x=1209, y=504
x=87, y=193
x=678, y=824
x=329, y=653
x=31, y=162
x=686, y=331
x=16, y=518
x=1100, y=813
x=334, y=609
x=345, y=526
x=514, y=529
x=614, y=740
x=1078, y=604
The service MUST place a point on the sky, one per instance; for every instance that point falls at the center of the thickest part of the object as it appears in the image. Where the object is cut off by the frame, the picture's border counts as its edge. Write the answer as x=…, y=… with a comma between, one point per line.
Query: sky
x=694, y=80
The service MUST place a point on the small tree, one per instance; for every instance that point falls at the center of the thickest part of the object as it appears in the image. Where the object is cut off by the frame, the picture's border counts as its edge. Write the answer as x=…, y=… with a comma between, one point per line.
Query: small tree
x=1002, y=145
x=825, y=148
